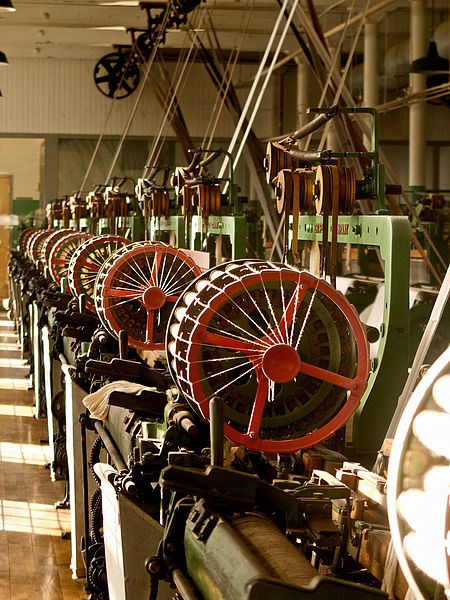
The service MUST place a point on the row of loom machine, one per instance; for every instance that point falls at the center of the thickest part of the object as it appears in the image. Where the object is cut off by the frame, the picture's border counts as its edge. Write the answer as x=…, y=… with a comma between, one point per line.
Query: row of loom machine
x=216, y=425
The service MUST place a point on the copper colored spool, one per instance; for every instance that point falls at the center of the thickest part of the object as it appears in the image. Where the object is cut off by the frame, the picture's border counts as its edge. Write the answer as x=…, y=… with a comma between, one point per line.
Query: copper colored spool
x=332, y=180
x=206, y=198
x=298, y=183
x=187, y=194
x=116, y=206
x=159, y=203
x=277, y=159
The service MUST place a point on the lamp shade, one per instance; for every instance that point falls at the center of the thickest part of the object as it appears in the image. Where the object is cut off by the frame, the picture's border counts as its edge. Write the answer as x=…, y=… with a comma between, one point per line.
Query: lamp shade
x=6, y=6
x=3, y=59
x=431, y=63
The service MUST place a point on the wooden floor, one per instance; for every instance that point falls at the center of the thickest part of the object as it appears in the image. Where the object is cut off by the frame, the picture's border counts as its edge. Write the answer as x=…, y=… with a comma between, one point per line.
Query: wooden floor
x=34, y=559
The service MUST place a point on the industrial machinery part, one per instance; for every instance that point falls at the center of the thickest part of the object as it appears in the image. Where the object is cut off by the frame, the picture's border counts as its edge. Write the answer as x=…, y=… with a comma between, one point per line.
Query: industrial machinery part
x=86, y=261
x=136, y=288
x=292, y=187
x=335, y=186
x=418, y=485
x=50, y=241
x=35, y=245
x=284, y=349
x=210, y=207
x=268, y=565
x=116, y=74
x=24, y=236
x=61, y=252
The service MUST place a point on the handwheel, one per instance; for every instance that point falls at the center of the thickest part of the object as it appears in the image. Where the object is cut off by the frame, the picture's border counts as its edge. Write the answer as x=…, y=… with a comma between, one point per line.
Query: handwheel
x=136, y=288
x=60, y=254
x=285, y=351
x=418, y=485
x=86, y=261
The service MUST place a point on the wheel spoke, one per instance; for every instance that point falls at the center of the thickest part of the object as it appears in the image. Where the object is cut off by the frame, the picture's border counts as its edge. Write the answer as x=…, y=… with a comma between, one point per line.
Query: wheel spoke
x=154, y=271
x=258, y=407
x=230, y=343
x=150, y=326
x=289, y=314
x=89, y=265
x=124, y=293
x=328, y=376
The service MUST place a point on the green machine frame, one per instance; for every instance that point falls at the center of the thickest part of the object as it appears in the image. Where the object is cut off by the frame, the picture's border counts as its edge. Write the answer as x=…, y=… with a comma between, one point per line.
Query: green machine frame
x=232, y=226
x=391, y=235
x=173, y=226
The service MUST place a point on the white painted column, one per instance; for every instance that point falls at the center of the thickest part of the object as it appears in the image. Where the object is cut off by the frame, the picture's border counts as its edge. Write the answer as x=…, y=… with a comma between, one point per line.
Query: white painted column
x=304, y=96
x=417, y=111
x=333, y=142
x=371, y=83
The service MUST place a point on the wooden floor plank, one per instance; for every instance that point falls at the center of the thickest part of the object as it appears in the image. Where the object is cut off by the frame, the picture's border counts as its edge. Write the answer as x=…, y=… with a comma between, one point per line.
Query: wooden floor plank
x=34, y=559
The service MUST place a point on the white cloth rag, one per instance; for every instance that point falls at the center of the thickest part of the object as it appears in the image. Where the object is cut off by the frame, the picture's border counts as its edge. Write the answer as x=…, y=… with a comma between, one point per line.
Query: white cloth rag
x=98, y=402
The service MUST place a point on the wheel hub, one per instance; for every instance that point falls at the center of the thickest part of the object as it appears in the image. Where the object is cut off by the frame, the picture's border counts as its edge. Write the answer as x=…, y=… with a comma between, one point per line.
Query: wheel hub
x=153, y=298
x=281, y=363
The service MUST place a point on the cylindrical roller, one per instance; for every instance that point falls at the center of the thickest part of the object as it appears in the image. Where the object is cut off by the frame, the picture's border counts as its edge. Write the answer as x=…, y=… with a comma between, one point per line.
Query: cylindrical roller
x=263, y=552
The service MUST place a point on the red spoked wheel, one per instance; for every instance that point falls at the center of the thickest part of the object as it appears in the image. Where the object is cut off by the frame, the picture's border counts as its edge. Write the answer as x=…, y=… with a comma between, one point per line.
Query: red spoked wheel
x=24, y=237
x=30, y=241
x=286, y=352
x=50, y=241
x=137, y=287
x=60, y=254
x=86, y=261
x=36, y=244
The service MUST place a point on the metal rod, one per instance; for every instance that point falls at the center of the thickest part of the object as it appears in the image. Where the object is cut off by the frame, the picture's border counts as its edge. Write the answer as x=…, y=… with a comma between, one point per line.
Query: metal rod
x=62, y=359
x=290, y=57
x=216, y=430
x=316, y=123
x=84, y=472
x=110, y=446
x=184, y=586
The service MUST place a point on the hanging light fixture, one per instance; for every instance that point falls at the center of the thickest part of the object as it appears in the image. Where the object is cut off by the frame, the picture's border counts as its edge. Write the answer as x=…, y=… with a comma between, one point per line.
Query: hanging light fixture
x=3, y=60
x=431, y=63
x=6, y=6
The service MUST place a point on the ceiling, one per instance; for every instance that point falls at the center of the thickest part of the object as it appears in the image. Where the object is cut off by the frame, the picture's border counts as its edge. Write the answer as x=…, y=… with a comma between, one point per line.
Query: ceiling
x=89, y=28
